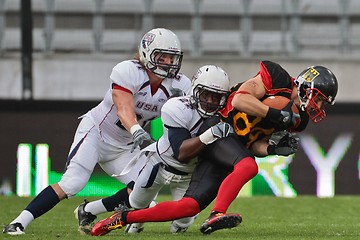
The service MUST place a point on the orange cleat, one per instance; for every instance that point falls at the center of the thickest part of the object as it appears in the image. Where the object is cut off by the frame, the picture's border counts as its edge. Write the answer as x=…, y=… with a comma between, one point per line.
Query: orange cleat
x=107, y=225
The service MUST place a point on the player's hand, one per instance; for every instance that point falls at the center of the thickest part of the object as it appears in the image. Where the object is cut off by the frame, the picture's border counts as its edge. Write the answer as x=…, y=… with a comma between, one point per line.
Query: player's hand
x=176, y=92
x=286, y=146
x=289, y=118
x=220, y=130
x=285, y=118
x=139, y=136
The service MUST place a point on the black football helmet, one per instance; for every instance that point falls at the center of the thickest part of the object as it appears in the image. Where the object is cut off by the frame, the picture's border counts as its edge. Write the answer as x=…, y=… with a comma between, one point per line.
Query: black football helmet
x=316, y=84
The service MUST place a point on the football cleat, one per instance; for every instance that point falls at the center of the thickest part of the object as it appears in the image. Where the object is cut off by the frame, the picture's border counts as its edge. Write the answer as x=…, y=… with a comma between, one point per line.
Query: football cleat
x=85, y=218
x=14, y=229
x=220, y=221
x=176, y=228
x=111, y=223
x=134, y=228
x=138, y=227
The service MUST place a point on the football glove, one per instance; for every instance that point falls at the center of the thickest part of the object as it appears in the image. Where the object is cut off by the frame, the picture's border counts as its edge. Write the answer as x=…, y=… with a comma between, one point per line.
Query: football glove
x=276, y=136
x=139, y=136
x=176, y=92
x=220, y=130
x=284, y=118
x=286, y=146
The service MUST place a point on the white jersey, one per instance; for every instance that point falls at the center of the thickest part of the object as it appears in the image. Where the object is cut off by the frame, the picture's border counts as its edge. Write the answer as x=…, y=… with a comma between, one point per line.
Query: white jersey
x=154, y=160
x=131, y=76
x=179, y=113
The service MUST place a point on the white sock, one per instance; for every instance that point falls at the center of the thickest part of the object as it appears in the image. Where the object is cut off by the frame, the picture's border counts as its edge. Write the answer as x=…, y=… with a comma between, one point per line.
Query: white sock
x=25, y=218
x=95, y=207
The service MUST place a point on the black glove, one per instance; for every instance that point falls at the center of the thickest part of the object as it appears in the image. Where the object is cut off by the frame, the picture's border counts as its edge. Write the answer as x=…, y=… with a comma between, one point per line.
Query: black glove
x=285, y=118
x=287, y=145
x=139, y=136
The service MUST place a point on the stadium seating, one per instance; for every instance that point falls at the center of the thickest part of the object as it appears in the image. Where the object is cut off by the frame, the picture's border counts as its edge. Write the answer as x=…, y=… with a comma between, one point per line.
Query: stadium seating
x=231, y=27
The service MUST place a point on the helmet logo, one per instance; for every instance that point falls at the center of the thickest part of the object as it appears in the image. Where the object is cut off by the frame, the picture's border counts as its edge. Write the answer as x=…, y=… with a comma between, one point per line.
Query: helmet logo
x=310, y=75
x=147, y=40
x=196, y=75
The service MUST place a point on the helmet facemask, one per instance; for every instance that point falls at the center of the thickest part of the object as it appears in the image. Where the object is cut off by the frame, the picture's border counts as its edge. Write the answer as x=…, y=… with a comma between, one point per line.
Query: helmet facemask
x=161, y=69
x=202, y=93
x=309, y=98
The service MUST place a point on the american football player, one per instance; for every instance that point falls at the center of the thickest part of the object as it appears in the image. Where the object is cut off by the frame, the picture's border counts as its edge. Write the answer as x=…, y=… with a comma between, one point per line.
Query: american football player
x=314, y=88
x=171, y=160
x=110, y=134
x=227, y=164
x=209, y=77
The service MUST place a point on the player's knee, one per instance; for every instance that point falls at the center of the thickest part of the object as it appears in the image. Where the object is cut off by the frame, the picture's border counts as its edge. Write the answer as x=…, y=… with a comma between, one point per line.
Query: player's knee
x=137, y=203
x=74, y=180
x=190, y=206
x=59, y=191
x=248, y=165
x=72, y=189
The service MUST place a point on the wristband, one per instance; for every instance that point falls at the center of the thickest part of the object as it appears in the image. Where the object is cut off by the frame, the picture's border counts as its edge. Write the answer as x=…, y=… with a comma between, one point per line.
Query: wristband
x=271, y=149
x=273, y=114
x=135, y=128
x=207, y=137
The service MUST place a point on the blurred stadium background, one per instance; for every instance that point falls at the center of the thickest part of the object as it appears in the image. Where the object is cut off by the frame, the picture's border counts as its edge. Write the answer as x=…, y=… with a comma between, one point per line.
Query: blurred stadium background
x=56, y=57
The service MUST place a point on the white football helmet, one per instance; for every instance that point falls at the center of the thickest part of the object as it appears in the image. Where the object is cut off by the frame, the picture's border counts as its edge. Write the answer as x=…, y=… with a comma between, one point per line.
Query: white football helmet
x=210, y=79
x=155, y=43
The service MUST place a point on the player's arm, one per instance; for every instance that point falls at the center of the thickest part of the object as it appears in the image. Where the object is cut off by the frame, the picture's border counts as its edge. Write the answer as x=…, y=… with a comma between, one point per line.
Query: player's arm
x=183, y=145
x=247, y=97
x=247, y=100
x=124, y=103
x=259, y=148
x=285, y=146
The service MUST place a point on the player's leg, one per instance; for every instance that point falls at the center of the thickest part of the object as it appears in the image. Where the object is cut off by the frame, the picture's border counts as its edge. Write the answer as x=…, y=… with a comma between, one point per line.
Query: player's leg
x=41, y=204
x=202, y=190
x=205, y=188
x=147, y=185
x=178, y=187
x=243, y=172
x=162, y=212
x=73, y=180
x=232, y=154
x=114, y=161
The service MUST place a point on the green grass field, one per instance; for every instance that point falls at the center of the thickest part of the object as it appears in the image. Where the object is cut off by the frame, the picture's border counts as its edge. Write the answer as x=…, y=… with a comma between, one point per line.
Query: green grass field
x=263, y=218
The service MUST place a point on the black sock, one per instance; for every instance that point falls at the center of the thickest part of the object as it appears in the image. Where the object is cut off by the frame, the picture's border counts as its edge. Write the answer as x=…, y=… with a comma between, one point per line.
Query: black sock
x=124, y=216
x=43, y=202
x=113, y=201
